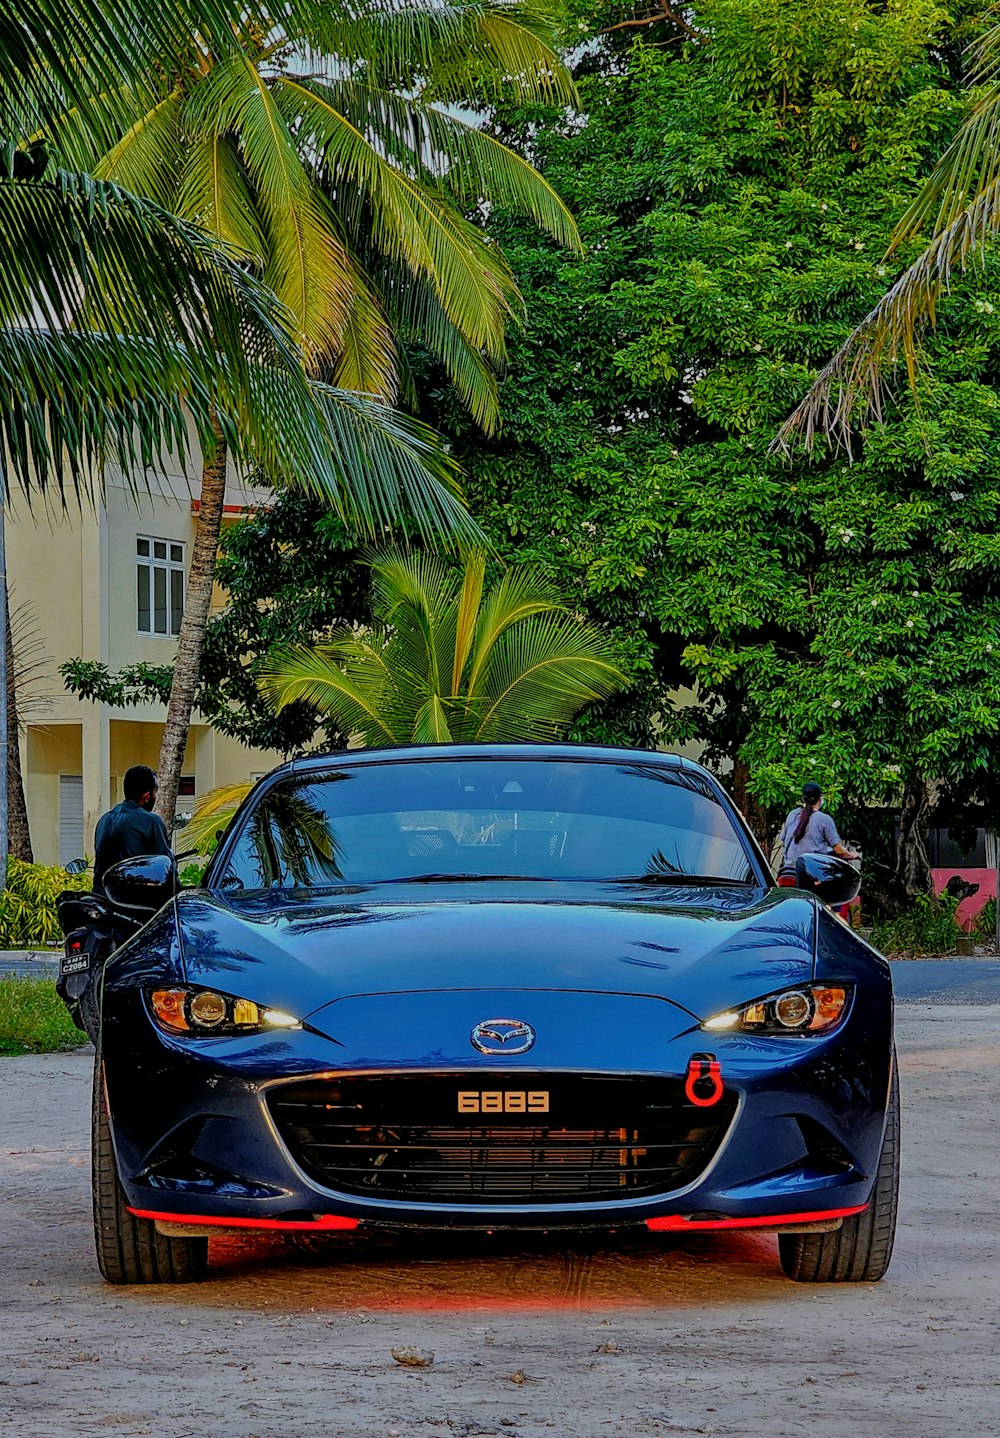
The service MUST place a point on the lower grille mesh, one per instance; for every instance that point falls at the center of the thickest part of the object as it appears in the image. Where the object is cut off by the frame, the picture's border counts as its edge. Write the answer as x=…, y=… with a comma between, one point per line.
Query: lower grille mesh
x=403, y=1137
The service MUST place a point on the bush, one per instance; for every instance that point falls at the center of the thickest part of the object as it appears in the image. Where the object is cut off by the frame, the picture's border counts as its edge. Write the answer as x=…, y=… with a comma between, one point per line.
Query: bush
x=984, y=931
x=33, y=1019
x=28, y=917
x=928, y=928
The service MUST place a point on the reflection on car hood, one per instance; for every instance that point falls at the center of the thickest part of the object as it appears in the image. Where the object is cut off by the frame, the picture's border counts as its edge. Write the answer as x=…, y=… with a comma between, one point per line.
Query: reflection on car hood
x=703, y=949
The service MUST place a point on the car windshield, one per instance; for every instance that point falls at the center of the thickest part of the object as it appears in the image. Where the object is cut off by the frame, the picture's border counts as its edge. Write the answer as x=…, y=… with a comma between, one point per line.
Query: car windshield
x=485, y=819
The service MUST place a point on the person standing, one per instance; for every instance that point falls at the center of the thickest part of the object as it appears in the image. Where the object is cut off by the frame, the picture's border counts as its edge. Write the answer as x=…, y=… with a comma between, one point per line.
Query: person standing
x=130, y=829
x=808, y=830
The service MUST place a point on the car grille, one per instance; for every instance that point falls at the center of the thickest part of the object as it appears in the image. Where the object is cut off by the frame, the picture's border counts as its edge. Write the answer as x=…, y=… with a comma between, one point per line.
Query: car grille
x=403, y=1137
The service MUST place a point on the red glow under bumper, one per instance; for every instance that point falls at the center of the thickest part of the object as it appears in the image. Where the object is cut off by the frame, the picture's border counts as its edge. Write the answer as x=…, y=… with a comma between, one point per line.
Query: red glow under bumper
x=677, y=1223
x=326, y=1222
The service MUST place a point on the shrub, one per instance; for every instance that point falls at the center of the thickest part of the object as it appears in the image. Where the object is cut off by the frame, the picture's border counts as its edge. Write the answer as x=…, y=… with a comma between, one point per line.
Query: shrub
x=984, y=930
x=928, y=928
x=28, y=917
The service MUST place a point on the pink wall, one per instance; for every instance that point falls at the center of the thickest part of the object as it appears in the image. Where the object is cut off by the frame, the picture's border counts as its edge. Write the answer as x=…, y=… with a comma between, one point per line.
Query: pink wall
x=968, y=908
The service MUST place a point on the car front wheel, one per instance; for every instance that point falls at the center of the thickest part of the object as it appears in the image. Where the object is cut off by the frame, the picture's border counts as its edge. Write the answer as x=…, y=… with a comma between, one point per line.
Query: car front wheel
x=859, y=1251
x=129, y=1249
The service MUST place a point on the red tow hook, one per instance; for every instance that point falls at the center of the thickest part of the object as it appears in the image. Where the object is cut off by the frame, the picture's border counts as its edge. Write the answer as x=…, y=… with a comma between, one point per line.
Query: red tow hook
x=703, y=1085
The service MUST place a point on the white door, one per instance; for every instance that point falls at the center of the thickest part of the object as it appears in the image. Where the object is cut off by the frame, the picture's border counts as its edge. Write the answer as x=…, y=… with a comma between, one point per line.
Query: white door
x=70, y=817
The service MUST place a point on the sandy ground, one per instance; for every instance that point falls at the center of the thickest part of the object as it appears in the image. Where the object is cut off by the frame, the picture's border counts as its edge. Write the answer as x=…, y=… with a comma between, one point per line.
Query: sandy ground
x=612, y=1337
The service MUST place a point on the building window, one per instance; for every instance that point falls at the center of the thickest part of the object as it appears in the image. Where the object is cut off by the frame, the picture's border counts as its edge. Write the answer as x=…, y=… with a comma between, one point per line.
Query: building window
x=159, y=585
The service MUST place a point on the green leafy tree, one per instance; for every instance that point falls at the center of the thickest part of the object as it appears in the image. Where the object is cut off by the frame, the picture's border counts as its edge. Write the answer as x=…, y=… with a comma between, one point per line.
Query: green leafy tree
x=330, y=164
x=446, y=658
x=827, y=619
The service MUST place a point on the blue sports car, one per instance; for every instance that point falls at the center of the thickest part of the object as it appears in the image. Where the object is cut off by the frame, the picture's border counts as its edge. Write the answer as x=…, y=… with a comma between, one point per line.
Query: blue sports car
x=523, y=987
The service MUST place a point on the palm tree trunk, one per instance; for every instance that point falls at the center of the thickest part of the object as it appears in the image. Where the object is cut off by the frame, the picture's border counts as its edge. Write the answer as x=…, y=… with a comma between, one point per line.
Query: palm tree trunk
x=197, y=602
x=18, y=833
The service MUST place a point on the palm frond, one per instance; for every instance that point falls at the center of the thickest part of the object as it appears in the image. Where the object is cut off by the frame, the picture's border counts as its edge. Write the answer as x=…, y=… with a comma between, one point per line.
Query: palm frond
x=541, y=673
x=852, y=389
x=315, y=676
x=215, y=192
x=457, y=46
x=212, y=812
x=408, y=222
x=467, y=615
x=147, y=159
x=387, y=464
x=368, y=357
x=431, y=723
x=415, y=309
x=520, y=594
x=308, y=266
x=971, y=163
x=426, y=139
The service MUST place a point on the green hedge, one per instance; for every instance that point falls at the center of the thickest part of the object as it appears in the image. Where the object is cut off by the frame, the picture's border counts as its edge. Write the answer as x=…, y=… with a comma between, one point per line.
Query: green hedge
x=28, y=917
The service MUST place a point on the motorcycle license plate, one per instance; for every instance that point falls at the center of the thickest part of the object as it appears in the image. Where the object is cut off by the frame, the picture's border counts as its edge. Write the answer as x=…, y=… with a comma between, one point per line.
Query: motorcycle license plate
x=74, y=964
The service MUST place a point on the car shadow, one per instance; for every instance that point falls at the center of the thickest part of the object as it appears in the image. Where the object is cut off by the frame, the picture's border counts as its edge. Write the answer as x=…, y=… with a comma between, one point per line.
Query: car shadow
x=406, y=1271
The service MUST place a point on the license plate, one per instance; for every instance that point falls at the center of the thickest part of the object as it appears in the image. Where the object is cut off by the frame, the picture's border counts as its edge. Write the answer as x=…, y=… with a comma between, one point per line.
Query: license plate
x=74, y=964
x=503, y=1101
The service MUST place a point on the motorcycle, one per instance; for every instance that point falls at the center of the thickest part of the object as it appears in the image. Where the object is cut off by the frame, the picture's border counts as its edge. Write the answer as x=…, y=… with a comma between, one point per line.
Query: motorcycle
x=95, y=925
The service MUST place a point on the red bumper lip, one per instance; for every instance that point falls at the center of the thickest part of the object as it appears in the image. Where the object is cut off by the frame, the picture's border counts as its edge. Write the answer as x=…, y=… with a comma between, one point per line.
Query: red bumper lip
x=678, y=1223
x=332, y=1222
x=325, y=1221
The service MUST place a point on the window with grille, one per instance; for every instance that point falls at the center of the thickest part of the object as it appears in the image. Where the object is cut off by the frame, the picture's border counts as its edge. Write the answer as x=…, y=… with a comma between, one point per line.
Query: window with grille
x=159, y=585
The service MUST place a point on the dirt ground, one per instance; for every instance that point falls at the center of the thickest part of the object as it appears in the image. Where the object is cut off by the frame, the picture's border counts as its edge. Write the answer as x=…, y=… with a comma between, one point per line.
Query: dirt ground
x=612, y=1337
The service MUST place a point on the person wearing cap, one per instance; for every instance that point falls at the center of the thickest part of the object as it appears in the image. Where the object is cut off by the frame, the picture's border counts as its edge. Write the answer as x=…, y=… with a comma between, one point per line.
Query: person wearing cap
x=808, y=830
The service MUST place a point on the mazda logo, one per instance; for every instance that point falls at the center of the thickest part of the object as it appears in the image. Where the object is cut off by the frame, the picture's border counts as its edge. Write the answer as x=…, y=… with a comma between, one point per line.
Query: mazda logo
x=502, y=1036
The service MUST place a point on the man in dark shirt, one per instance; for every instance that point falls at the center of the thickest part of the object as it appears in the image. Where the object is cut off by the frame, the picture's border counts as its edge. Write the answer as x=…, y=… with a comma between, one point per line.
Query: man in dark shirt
x=130, y=829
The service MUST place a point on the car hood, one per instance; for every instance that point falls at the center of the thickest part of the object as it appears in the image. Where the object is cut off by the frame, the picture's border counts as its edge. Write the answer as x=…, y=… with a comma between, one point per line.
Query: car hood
x=702, y=950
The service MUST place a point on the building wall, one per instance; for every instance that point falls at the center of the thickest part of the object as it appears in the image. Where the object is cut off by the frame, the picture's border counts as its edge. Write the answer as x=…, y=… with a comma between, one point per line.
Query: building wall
x=76, y=571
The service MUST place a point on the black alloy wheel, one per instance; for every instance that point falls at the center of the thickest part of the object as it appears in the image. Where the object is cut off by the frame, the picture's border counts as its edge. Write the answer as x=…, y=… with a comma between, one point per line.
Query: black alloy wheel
x=859, y=1251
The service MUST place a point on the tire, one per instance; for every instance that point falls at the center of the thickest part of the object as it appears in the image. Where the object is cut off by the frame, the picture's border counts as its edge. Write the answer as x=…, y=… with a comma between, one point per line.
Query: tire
x=860, y=1250
x=129, y=1249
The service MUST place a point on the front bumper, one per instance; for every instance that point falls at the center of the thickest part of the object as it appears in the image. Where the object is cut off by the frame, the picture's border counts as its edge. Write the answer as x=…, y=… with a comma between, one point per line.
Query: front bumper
x=197, y=1145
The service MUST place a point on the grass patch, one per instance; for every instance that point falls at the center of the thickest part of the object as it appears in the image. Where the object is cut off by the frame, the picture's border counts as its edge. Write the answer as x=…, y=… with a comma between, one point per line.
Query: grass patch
x=33, y=1019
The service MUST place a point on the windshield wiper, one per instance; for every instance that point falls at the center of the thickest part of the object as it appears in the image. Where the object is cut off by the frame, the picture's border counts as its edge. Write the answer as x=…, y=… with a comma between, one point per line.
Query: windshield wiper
x=458, y=879
x=705, y=881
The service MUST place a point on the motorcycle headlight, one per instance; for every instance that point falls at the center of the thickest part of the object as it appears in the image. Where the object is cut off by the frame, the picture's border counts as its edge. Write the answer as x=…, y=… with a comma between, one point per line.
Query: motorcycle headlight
x=806, y=1009
x=204, y=1012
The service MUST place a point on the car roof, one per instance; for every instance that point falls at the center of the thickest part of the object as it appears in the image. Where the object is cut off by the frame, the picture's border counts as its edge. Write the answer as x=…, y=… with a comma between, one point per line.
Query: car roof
x=554, y=749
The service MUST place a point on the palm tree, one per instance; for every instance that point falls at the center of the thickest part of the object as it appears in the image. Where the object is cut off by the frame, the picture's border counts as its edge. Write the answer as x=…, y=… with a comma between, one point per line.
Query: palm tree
x=329, y=162
x=119, y=320
x=445, y=660
x=958, y=207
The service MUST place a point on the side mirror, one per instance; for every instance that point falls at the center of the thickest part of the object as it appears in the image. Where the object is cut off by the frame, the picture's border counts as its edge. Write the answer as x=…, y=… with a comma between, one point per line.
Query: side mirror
x=833, y=880
x=143, y=885
x=77, y=866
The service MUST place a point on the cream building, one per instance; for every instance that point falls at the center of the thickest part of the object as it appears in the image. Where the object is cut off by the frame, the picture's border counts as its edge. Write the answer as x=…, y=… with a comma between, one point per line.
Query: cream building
x=108, y=584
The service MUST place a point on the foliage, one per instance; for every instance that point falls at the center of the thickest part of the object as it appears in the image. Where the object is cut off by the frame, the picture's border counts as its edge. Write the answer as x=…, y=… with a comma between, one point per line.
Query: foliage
x=985, y=927
x=337, y=169
x=189, y=875
x=33, y=1019
x=929, y=927
x=955, y=215
x=28, y=918
x=820, y=618
x=448, y=658
x=121, y=323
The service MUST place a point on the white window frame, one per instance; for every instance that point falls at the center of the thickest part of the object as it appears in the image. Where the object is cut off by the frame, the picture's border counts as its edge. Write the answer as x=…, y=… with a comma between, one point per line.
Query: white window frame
x=147, y=566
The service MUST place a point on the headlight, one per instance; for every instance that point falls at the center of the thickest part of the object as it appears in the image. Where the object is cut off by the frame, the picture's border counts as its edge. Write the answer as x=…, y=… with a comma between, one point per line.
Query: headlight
x=806, y=1009
x=203, y=1011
